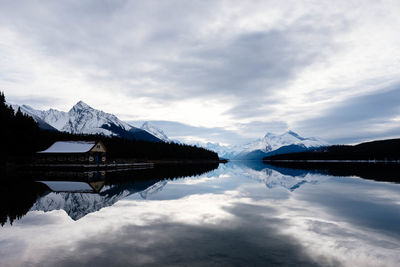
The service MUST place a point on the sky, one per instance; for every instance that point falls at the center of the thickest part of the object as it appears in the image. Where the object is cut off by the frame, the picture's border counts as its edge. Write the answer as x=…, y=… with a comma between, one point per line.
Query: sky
x=225, y=71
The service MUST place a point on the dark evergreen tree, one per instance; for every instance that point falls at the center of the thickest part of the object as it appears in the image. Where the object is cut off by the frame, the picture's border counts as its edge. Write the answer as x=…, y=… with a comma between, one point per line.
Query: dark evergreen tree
x=18, y=136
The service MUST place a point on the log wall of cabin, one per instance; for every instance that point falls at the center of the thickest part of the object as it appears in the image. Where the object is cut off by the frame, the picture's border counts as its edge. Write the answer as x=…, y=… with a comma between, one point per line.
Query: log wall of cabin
x=99, y=147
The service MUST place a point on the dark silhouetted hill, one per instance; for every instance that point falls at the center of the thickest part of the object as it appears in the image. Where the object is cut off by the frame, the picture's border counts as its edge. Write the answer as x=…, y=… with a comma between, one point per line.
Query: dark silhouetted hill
x=374, y=150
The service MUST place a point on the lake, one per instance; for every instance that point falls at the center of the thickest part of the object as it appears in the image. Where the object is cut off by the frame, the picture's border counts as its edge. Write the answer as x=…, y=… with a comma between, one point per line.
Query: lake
x=234, y=214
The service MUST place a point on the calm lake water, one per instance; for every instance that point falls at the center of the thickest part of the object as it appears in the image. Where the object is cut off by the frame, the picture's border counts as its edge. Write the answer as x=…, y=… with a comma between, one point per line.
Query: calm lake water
x=239, y=214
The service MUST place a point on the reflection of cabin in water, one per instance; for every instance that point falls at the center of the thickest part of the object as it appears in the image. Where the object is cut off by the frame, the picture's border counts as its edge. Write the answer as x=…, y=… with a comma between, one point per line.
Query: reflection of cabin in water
x=74, y=186
x=74, y=152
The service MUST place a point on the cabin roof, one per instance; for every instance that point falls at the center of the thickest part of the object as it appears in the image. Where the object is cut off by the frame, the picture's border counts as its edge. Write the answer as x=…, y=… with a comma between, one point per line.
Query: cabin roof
x=70, y=147
x=70, y=186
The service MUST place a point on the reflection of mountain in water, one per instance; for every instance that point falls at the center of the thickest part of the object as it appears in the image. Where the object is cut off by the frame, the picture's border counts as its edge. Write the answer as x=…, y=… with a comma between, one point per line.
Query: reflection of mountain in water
x=378, y=171
x=154, y=189
x=292, y=175
x=274, y=177
x=77, y=204
x=291, y=182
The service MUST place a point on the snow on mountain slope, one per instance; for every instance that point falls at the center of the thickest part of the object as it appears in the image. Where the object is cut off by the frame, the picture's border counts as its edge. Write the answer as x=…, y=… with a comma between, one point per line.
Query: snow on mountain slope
x=35, y=114
x=227, y=152
x=157, y=132
x=55, y=118
x=83, y=119
x=270, y=142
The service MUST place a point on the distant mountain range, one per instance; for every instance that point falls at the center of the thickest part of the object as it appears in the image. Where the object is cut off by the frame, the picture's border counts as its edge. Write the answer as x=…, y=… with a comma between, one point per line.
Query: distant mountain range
x=270, y=144
x=83, y=119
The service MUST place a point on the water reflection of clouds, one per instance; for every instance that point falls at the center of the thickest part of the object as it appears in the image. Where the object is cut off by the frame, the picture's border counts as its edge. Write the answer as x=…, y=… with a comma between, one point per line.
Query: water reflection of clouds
x=361, y=204
x=206, y=209
x=344, y=224
x=218, y=221
x=344, y=242
x=202, y=229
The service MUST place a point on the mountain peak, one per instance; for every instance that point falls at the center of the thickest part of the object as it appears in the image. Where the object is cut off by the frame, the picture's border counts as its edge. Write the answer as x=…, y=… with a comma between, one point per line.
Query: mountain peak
x=269, y=134
x=152, y=129
x=146, y=124
x=289, y=132
x=81, y=105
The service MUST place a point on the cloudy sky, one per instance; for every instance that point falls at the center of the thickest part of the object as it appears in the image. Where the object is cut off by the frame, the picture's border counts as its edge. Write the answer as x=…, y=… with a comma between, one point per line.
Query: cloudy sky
x=230, y=70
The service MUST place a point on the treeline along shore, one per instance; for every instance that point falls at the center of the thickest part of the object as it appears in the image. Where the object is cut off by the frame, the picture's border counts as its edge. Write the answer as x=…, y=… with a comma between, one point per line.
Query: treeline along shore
x=378, y=171
x=21, y=138
x=381, y=150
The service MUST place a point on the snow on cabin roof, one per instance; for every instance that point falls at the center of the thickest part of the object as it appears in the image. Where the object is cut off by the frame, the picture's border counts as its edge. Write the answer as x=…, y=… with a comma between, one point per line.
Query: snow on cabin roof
x=70, y=147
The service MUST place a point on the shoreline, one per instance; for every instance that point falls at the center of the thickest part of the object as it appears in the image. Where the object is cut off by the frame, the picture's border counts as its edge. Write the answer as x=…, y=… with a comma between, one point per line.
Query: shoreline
x=331, y=161
x=132, y=164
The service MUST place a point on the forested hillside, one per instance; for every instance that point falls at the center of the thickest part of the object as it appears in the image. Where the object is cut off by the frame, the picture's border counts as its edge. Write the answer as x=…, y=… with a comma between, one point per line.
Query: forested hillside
x=375, y=150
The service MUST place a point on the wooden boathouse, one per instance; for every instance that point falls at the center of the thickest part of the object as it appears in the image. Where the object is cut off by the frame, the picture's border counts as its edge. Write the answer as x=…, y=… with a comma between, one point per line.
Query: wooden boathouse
x=85, y=152
x=74, y=186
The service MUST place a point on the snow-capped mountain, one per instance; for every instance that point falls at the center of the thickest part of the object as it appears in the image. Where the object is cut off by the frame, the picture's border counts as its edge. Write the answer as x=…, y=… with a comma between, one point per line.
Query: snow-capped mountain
x=227, y=152
x=157, y=132
x=83, y=119
x=270, y=143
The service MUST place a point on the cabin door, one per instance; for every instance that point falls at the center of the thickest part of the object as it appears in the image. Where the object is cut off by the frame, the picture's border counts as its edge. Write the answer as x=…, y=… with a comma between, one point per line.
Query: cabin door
x=96, y=158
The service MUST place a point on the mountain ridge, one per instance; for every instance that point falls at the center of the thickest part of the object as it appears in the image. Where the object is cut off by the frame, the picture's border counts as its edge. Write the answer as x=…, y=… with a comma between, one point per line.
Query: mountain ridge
x=270, y=144
x=157, y=132
x=84, y=119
